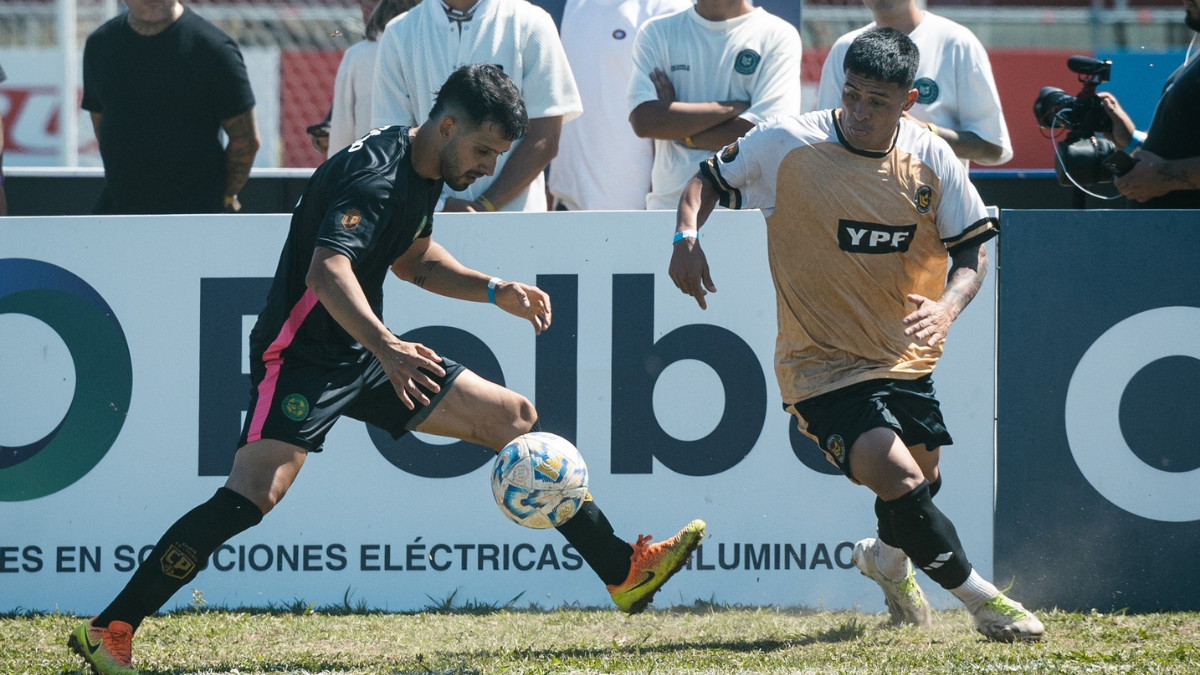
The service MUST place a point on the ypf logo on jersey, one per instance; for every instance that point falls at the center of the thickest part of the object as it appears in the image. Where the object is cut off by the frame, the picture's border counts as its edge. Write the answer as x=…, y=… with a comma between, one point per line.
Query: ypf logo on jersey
x=859, y=237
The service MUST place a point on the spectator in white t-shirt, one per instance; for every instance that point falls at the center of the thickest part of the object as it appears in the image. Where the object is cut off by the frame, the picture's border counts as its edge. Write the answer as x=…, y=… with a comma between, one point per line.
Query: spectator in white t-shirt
x=422, y=47
x=601, y=163
x=704, y=77
x=956, y=93
x=350, y=118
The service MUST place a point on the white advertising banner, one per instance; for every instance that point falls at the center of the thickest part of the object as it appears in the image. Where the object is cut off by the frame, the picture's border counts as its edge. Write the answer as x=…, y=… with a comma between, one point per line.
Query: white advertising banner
x=30, y=100
x=123, y=386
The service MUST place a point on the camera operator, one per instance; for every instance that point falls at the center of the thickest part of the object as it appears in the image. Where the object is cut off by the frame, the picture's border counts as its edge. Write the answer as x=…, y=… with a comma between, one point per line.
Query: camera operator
x=1167, y=174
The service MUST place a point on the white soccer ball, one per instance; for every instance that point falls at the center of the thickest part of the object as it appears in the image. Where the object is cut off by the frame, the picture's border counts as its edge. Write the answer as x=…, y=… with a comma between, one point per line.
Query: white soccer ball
x=539, y=480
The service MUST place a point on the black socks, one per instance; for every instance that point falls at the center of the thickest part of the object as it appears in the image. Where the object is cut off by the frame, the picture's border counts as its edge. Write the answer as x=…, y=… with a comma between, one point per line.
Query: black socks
x=179, y=555
x=592, y=535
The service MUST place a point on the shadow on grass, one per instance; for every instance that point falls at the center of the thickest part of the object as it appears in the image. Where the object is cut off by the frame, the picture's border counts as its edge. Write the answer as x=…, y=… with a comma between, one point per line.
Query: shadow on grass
x=844, y=632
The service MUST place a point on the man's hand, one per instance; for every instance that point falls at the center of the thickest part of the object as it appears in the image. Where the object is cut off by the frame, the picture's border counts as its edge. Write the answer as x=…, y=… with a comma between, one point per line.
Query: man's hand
x=689, y=270
x=404, y=363
x=1123, y=128
x=456, y=205
x=663, y=86
x=929, y=323
x=528, y=302
x=1149, y=178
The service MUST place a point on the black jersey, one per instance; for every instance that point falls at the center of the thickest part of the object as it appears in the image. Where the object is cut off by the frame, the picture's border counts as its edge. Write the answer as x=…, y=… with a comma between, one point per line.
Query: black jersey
x=366, y=202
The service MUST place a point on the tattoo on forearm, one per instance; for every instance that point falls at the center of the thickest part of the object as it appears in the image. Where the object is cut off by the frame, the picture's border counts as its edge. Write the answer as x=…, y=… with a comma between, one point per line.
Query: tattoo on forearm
x=1179, y=176
x=239, y=154
x=965, y=278
x=420, y=279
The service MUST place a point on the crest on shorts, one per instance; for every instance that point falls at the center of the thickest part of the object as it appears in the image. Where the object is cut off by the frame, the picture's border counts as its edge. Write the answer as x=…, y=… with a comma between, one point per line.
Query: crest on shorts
x=178, y=561
x=295, y=406
x=923, y=199
x=746, y=62
x=730, y=152
x=351, y=219
x=836, y=447
x=618, y=34
x=927, y=90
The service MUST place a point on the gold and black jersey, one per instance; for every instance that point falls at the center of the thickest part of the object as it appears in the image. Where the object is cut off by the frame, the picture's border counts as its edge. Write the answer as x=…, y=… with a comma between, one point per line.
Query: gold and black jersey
x=850, y=234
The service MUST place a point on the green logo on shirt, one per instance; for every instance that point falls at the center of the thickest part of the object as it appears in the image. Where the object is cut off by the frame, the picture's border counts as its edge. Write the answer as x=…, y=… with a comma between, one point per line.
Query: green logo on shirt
x=747, y=62
x=927, y=90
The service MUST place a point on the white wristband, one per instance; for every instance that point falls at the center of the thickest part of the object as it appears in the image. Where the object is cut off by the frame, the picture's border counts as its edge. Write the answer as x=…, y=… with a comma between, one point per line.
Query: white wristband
x=683, y=234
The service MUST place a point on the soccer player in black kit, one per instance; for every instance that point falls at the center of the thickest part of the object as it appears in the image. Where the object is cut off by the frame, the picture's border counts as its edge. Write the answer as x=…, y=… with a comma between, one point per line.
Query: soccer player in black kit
x=320, y=351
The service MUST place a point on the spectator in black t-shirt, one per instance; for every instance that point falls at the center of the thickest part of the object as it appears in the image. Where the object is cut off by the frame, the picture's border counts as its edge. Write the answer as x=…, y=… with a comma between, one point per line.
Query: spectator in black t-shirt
x=1167, y=174
x=160, y=83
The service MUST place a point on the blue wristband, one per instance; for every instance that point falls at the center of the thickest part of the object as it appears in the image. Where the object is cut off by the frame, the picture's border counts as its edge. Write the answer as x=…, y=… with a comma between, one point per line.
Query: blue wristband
x=1135, y=142
x=492, y=284
x=683, y=234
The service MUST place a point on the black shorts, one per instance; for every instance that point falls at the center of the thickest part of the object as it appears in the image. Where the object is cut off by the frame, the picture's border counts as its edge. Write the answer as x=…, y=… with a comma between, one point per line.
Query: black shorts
x=836, y=419
x=297, y=402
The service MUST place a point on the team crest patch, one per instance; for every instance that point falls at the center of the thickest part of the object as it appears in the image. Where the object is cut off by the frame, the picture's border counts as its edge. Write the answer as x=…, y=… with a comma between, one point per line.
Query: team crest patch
x=295, y=406
x=927, y=90
x=177, y=562
x=351, y=219
x=618, y=34
x=923, y=199
x=730, y=152
x=836, y=447
x=746, y=62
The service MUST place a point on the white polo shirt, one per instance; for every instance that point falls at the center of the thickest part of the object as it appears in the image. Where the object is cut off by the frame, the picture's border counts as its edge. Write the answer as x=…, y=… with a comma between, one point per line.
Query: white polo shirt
x=754, y=57
x=954, y=81
x=421, y=48
x=351, y=118
x=601, y=163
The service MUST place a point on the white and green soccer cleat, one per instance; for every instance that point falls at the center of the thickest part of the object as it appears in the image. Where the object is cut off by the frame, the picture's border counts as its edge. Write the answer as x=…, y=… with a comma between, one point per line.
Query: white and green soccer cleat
x=906, y=601
x=1004, y=620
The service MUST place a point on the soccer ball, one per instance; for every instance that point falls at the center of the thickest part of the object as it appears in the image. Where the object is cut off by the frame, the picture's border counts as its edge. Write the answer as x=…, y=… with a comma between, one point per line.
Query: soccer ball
x=539, y=480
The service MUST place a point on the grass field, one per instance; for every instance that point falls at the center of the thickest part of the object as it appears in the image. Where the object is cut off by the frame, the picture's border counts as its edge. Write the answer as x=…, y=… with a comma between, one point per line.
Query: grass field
x=704, y=638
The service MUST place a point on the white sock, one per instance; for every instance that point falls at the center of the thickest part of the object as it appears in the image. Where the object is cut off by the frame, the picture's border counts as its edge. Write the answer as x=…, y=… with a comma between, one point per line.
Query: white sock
x=891, y=561
x=975, y=591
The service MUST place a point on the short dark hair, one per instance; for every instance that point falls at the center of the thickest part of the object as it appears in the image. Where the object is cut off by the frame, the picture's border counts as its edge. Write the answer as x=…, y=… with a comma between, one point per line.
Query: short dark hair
x=883, y=54
x=385, y=11
x=483, y=93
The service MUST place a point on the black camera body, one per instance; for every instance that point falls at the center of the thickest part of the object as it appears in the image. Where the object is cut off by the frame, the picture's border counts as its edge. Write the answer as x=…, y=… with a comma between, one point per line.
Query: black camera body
x=1088, y=158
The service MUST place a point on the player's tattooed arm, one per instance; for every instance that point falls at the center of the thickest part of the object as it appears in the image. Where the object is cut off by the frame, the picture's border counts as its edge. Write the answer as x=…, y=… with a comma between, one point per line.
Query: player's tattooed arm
x=239, y=154
x=931, y=320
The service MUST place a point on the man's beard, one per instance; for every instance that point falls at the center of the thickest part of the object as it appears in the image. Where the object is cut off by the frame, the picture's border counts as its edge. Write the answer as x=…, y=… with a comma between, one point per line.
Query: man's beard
x=1192, y=22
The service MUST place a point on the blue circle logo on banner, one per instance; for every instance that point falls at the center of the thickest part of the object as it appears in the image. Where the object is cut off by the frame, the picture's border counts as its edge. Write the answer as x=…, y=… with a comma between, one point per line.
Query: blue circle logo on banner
x=103, y=378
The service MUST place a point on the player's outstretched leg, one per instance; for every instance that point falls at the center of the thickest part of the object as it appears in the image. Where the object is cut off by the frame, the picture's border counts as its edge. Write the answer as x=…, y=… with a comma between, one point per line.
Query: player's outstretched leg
x=264, y=470
x=482, y=412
